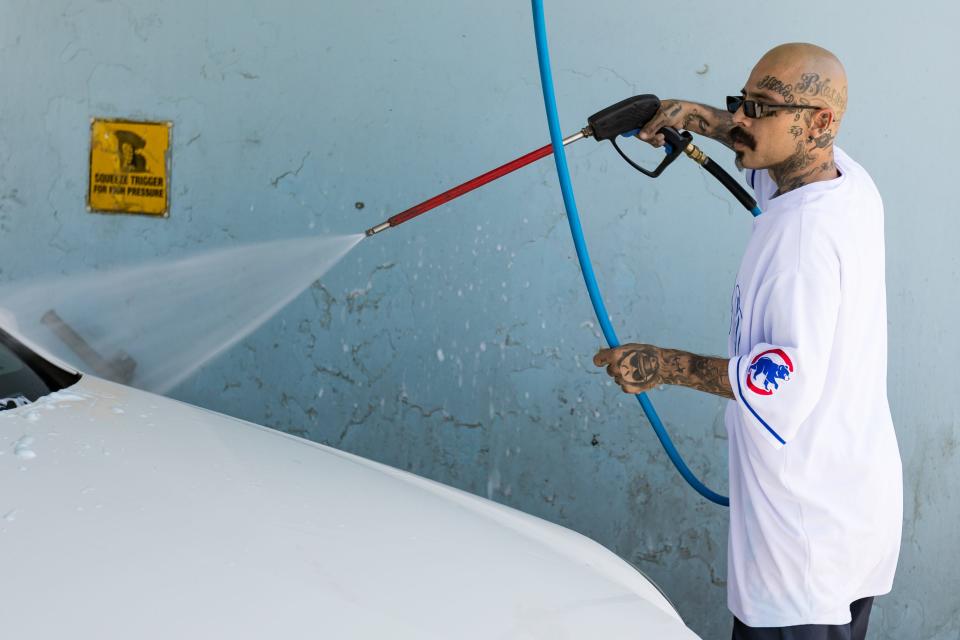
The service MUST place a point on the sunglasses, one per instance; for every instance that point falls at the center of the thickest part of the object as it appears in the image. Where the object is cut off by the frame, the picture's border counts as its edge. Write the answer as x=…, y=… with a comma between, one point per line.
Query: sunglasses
x=754, y=109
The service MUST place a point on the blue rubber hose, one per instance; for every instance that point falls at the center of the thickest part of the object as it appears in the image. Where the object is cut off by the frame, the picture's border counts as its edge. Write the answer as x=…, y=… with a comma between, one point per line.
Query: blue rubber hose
x=586, y=267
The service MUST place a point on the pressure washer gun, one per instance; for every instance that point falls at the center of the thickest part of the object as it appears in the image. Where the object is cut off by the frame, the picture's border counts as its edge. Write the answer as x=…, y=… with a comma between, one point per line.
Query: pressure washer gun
x=623, y=119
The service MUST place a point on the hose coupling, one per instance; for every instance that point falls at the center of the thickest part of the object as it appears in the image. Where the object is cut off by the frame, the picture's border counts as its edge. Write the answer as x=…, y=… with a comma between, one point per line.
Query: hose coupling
x=696, y=154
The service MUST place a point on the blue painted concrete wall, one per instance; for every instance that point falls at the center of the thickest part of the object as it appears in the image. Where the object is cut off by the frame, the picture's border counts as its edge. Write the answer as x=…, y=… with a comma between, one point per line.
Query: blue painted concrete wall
x=459, y=345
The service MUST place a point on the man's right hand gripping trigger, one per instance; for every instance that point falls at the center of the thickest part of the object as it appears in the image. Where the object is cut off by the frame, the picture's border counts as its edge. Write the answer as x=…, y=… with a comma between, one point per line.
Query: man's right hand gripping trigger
x=691, y=116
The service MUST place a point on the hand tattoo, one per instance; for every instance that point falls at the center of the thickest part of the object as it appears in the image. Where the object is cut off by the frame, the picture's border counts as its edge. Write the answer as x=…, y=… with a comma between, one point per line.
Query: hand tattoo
x=640, y=366
x=672, y=109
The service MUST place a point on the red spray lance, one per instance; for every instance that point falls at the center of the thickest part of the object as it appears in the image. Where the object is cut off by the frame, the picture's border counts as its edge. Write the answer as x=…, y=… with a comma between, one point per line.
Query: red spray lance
x=623, y=119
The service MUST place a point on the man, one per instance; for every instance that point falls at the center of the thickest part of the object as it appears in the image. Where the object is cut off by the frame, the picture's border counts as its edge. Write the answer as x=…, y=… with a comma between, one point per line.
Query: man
x=816, y=497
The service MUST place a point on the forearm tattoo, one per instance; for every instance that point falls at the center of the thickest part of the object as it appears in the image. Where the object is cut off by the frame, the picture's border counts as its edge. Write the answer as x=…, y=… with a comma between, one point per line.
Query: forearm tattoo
x=709, y=375
x=713, y=123
x=646, y=366
x=702, y=373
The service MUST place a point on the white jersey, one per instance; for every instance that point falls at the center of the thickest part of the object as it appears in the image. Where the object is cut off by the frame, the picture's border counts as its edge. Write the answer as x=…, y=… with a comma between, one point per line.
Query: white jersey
x=816, y=492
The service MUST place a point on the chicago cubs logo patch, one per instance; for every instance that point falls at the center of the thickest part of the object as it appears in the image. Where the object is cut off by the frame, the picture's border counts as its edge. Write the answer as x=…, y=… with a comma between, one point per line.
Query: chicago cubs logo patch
x=766, y=369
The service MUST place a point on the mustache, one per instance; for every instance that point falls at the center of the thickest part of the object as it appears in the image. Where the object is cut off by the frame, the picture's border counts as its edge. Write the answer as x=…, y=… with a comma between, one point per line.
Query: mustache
x=737, y=134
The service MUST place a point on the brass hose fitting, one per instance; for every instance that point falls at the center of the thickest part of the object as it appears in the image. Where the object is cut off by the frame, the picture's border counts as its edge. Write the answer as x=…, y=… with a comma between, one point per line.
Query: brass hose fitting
x=695, y=154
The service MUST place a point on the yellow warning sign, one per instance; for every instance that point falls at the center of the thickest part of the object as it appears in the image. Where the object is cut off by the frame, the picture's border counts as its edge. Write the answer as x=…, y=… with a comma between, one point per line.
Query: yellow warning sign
x=129, y=166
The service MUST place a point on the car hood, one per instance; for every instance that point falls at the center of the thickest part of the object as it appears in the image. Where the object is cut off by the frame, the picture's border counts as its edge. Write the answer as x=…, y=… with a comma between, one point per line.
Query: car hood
x=126, y=514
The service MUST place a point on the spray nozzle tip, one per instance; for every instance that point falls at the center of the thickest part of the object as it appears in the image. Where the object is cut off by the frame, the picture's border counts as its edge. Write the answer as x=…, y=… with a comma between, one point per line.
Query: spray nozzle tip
x=377, y=229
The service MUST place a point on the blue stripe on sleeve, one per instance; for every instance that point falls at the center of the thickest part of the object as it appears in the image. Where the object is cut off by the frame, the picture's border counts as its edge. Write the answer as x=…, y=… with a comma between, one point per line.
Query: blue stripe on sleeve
x=755, y=414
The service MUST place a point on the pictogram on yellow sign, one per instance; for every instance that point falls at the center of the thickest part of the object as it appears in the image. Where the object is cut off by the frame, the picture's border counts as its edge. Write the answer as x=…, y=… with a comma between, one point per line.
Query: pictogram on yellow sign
x=129, y=166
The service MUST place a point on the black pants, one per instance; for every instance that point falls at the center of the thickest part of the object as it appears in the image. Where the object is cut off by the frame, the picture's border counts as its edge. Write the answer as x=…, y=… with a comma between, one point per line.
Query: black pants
x=856, y=629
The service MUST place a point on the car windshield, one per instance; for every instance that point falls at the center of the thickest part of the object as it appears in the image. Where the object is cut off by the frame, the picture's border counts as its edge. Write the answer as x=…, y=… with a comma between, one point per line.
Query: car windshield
x=25, y=376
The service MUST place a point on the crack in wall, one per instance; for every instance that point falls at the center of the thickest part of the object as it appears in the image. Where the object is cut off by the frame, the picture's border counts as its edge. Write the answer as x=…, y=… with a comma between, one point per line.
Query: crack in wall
x=295, y=172
x=336, y=373
x=355, y=421
x=445, y=416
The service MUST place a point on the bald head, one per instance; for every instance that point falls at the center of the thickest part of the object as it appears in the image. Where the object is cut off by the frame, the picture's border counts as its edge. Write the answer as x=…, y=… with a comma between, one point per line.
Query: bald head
x=804, y=73
x=802, y=89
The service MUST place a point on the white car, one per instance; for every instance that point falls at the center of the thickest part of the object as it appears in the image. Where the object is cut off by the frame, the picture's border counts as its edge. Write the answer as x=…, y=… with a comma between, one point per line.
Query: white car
x=125, y=514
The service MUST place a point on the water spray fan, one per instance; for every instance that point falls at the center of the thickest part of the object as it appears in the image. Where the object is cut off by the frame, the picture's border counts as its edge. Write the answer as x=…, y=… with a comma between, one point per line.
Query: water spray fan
x=621, y=120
